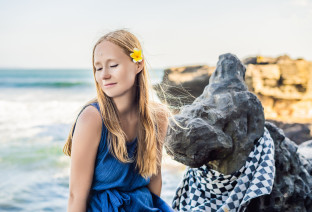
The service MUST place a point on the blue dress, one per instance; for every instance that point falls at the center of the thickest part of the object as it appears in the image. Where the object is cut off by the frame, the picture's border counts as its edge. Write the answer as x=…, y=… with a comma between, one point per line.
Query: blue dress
x=118, y=186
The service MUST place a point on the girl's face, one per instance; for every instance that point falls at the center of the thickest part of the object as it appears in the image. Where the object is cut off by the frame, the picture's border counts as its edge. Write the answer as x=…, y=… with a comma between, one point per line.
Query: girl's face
x=115, y=71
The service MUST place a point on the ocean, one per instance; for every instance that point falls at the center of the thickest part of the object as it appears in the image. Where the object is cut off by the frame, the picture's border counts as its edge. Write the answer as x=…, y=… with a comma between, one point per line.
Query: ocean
x=37, y=110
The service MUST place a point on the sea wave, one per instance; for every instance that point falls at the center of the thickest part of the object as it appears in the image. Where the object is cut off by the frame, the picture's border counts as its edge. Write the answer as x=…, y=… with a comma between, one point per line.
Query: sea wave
x=45, y=84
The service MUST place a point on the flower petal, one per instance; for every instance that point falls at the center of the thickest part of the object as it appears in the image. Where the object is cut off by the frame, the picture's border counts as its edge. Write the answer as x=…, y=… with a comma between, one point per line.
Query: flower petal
x=136, y=55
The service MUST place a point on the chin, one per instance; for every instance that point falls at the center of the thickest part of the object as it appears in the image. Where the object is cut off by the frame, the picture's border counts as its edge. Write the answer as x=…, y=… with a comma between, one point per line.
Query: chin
x=108, y=93
x=111, y=94
x=114, y=94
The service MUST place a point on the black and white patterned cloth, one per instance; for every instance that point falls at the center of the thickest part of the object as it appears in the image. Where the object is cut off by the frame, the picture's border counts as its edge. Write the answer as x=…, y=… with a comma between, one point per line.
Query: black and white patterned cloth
x=205, y=189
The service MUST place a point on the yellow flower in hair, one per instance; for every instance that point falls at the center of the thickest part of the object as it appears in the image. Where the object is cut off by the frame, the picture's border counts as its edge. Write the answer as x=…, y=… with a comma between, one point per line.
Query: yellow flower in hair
x=136, y=55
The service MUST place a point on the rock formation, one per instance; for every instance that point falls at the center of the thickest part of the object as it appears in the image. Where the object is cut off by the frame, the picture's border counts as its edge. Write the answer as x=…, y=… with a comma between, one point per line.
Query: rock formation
x=224, y=106
x=283, y=85
x=292, y=188
x=306, y=149
x=297, y=132
x=221, y=127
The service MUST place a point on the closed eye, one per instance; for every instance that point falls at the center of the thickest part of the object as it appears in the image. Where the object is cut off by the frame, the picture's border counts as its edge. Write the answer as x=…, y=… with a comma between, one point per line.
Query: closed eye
x=114, y=66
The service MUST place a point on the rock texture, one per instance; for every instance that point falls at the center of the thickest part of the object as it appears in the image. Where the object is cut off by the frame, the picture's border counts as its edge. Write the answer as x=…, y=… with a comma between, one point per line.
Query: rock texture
x=297, y=132
x=283, y=85
x=221, y=127
x=225, y=106
x=305, y=149
x=292, y=188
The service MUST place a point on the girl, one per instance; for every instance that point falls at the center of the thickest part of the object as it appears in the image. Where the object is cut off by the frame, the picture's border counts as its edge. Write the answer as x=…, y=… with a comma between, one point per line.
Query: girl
x=116, y=142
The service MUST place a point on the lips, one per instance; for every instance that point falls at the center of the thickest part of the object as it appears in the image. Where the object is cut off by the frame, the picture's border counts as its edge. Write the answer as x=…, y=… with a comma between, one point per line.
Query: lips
x=109, y=84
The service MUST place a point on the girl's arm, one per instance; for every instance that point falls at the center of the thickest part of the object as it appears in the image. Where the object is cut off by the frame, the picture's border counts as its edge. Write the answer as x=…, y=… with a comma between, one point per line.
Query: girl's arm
x=85, y=142
x=156, y=180
x=156, y=183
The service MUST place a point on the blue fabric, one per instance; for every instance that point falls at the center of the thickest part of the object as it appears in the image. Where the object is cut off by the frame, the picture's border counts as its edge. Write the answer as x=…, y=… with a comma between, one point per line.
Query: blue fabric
x=118, y=186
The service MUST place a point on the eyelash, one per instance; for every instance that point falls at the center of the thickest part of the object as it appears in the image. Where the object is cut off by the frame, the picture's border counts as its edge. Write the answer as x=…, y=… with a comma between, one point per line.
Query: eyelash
x=114, y=66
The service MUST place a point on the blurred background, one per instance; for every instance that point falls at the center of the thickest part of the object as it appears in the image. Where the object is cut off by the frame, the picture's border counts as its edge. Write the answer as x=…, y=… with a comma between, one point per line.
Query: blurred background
x=46, y=75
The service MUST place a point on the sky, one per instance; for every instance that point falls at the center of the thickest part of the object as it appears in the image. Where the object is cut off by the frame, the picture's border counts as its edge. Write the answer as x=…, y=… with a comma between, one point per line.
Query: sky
x=61, y=34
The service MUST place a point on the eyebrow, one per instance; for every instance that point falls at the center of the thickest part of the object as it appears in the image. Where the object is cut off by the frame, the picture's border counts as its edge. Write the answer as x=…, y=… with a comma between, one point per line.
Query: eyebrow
x=98, y=63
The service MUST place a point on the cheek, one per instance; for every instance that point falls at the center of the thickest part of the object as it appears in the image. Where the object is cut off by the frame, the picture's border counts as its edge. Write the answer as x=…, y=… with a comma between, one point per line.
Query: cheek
x=130, y=74
x=97, y=75
x=97, y=79
x=129, y=78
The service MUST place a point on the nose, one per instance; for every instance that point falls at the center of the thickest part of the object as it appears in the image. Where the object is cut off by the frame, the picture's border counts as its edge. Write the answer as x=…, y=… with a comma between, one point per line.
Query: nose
x=105, y=74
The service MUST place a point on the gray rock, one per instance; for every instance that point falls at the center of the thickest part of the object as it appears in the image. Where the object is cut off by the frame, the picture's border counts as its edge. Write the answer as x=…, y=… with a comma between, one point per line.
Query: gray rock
x=221, y=127
x=297, y=132
x=213, y=120
x=306, y=150
x=292, y=188
x=283, y=85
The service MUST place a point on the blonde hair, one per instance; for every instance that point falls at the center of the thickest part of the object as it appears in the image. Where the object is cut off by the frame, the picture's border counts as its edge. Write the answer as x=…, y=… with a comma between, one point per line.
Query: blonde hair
x=149, y=143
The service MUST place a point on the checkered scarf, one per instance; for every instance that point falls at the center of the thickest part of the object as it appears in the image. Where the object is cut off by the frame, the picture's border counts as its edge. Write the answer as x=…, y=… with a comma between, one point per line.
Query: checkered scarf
x=204, y=189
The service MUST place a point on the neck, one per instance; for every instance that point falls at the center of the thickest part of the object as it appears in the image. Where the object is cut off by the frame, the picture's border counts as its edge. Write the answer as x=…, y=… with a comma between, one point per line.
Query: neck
x=127, y=111
x=126, y=106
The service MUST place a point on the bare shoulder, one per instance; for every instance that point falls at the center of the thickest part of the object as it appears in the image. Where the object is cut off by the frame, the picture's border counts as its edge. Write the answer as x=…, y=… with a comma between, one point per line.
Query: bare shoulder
x=88, y=126
x=85, y=141
x=91, y=116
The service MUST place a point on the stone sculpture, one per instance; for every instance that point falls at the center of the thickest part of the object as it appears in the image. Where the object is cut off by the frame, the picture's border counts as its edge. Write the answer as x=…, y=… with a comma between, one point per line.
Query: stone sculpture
x=222, y=125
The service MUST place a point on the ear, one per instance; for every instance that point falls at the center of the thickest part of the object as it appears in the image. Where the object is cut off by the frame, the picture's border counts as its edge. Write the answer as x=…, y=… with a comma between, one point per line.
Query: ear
x=140, y=66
